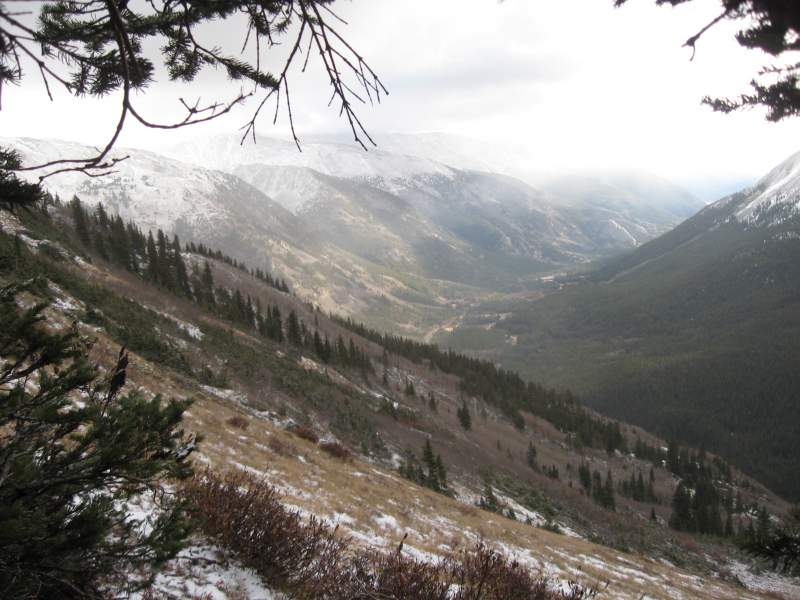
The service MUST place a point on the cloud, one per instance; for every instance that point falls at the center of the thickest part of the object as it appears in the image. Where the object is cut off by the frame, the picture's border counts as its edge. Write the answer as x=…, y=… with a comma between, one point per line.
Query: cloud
x=567, y=83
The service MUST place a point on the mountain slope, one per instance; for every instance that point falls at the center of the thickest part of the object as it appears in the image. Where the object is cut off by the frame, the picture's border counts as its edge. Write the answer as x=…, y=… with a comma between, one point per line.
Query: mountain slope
x=393, y=239
x=694, y=334
x=252, y=392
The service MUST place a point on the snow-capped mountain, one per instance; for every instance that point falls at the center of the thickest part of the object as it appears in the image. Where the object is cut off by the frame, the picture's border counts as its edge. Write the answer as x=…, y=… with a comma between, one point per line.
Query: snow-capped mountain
x=228, y=153
x=351, y=229
x=774, y=198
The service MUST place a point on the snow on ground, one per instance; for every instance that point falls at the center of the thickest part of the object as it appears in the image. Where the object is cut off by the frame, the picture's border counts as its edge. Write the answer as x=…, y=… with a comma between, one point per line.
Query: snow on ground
x=204, y=571
x=766, y=581
x=193, y=331
x=225, y=394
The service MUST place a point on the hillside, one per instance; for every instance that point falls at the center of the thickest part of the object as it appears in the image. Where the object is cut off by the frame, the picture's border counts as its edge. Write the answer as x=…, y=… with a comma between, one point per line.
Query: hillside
x=383, y=402
x=692, y=335
x=398, y=241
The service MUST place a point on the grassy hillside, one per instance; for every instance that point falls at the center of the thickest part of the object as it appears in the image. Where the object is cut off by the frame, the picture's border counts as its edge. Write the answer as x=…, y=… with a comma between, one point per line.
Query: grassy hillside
x=251, y=392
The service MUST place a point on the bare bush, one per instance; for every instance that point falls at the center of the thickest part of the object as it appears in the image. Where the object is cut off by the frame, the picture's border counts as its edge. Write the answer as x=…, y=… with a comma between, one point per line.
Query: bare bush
x=336, y=450
x=246, y=516
x=307, y=433
x=307, y=559
x=239, y=422
x=280, y=447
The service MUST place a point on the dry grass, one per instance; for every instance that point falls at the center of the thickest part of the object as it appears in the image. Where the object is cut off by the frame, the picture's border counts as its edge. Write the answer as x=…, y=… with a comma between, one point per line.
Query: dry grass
x=311, y=479
x=239, y=422
x=362, y=495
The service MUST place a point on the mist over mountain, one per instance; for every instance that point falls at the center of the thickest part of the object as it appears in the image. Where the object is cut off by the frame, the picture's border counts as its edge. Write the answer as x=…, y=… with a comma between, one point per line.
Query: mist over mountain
x=389, y=237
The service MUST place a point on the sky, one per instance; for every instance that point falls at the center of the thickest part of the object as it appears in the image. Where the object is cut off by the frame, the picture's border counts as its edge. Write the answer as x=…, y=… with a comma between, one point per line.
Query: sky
x=565, y=85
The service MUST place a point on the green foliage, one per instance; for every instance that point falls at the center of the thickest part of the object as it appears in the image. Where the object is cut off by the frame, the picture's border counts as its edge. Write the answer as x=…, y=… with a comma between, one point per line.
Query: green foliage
x=488, y=501
x=464, y=418
x=504, y=389
x=430, y=472
x=692, y=340
x=74, y=452
x=14, y=193
x=531, y=457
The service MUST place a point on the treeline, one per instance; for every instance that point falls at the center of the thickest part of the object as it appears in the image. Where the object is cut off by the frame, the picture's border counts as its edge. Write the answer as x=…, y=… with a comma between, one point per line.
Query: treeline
x=159, y=260
x=503, y=389
x=698, y=505
x=602, y=492
x=429, y=472
x=261, y=275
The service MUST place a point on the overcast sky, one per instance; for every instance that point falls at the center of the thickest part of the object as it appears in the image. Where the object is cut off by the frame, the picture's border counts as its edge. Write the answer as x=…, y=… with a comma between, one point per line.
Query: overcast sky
x=569, y=84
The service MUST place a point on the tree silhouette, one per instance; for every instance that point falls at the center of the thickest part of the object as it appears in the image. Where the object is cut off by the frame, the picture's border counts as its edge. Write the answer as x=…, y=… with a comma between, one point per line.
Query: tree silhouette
x=772, y=26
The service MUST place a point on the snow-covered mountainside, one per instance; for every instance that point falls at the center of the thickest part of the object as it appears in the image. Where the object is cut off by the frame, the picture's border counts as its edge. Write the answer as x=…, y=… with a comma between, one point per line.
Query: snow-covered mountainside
x=338, y=159
x=156, y=191
x=773, y=199
x=365, y=233
x=621, y=210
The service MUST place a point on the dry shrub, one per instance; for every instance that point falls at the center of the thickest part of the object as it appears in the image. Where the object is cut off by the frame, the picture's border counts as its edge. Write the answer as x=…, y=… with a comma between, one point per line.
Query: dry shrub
x=239, y=422
x=280, y=447
x=307, y=433
x=336, y=450
x=307, y=559
x=246, y=516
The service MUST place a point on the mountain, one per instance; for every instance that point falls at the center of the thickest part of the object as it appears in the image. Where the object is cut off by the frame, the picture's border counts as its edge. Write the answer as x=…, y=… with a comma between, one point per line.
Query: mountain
x=467, y=190
x=694, y=334
x=365, y=433
x=629, y=206
x=393, y=239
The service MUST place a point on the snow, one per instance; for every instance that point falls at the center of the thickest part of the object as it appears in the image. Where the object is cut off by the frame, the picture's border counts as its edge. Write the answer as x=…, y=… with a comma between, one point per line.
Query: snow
x=767, y=581
x=154, y=190
x=330, y=158
x=387, y=522
x=779, y=186
x=205, y=571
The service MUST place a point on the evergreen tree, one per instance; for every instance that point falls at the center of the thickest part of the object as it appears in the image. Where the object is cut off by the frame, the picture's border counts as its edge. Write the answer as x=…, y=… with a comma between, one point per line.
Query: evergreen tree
x=488, y=501
x=69, y=468
x=532, y=456
x=80, y=221
x=464, y=418
x=585, y=477
x=681, y=518
x=293, y=332
x=153, y=267
x=207, y=284
x=181, y=275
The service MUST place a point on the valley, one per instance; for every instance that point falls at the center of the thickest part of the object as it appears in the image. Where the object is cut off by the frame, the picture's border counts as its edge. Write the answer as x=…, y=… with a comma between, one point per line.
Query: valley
x=256, y=402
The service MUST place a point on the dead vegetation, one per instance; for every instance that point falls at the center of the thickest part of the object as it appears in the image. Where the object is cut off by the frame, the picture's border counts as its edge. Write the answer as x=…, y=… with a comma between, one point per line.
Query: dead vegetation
x=239, y=422
x=308, y=559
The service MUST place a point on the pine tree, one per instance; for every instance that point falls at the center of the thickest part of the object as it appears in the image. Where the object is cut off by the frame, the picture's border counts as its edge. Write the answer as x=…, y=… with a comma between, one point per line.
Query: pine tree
x=80, y=221
x=181, y=275
x=532, y=456
x=164, y=265
x=681, y=518
x=432, y=471
x=293, y=332
x=69, y=468
x=488, y=501
x=464, y=418
x=153, y=267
